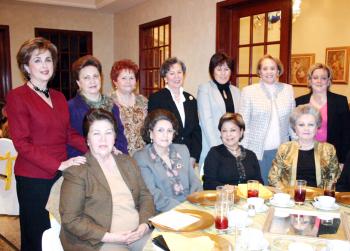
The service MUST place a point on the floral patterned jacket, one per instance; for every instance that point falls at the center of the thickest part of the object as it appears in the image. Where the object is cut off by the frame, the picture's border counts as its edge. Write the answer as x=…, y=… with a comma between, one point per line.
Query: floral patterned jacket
x=284, y=166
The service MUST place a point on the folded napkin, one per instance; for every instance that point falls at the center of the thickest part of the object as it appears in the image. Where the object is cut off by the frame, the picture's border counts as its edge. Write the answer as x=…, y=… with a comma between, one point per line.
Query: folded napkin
x=263, y=191
x=174, y=219
x=178, y=242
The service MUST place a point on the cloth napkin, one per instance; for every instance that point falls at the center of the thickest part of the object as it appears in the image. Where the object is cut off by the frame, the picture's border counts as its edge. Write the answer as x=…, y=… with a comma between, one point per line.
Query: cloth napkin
x=178, y=242
x=263, y=191
x=174, y=219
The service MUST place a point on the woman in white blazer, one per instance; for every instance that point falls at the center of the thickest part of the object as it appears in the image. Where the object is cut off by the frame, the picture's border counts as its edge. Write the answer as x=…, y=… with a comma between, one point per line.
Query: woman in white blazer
x=214, y=99
x=266, y=108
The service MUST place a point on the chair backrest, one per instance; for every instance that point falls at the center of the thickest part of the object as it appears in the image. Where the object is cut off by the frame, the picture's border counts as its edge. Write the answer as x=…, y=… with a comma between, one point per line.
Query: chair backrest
x=8, y=192
x=8, y=156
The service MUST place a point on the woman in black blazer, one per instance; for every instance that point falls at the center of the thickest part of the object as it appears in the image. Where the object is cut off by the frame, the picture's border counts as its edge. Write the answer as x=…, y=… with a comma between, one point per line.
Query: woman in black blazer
x=334, y=110
x=182, y=104
x=230, y=163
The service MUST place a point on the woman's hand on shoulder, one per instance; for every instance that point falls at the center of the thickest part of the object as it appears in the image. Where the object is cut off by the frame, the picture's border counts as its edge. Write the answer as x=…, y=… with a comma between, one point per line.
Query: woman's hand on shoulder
x=116, y=151
x=75, y=161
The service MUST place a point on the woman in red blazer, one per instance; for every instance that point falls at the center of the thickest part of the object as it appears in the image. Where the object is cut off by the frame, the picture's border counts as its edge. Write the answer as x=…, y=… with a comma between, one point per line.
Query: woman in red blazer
x=40, y=129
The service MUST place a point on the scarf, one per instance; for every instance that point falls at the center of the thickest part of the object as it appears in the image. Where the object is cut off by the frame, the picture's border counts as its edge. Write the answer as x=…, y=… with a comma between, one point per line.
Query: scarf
x=224, y=89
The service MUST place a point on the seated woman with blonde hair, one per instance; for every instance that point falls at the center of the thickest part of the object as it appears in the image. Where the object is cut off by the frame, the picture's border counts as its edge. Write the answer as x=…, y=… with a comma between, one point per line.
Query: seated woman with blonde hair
x=304, y=158
x=104, y=204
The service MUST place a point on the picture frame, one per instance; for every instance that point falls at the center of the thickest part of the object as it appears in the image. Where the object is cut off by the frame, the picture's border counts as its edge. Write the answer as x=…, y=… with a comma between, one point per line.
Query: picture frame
x=300, y=64
x=337, y=58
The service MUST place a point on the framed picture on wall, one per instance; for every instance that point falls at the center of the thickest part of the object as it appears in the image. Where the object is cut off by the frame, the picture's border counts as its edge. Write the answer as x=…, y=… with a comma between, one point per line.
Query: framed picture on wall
x=300, y=64
x=337, y=58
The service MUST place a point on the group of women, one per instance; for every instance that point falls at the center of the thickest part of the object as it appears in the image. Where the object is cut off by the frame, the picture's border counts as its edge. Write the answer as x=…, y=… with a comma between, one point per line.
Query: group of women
x=107, y=196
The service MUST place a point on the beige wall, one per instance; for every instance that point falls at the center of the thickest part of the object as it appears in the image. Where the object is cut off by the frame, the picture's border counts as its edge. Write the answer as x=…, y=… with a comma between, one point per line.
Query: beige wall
x=192, y=34
x=23, y=18
x=322, y=23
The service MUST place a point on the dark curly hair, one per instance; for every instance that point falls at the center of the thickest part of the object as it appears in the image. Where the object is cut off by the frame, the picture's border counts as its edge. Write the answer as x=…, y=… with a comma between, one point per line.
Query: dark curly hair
x=151, y=120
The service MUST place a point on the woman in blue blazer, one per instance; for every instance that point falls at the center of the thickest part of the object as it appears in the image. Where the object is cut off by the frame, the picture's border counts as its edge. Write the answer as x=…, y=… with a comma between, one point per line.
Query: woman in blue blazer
x=215, y=98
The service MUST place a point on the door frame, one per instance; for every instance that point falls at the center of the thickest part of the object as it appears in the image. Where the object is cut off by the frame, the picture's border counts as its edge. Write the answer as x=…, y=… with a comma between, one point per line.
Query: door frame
x=6, y=81
x=225, y=24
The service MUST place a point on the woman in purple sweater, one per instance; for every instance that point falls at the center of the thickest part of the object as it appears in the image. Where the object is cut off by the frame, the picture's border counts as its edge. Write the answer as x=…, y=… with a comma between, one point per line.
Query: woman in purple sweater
x=87, y=73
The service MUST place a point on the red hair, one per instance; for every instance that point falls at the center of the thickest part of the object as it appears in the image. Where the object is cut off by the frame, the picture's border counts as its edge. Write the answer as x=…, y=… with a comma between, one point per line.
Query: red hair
x=125, y=64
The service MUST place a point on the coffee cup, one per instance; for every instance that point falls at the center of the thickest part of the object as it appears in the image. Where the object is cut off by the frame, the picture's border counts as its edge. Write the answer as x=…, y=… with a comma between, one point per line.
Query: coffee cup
x=325, y=201
x=256, y=202
x=281, y=198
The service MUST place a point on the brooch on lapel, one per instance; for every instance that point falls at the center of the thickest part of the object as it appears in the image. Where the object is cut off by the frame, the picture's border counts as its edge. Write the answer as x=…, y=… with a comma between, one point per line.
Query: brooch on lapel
x=190, y=98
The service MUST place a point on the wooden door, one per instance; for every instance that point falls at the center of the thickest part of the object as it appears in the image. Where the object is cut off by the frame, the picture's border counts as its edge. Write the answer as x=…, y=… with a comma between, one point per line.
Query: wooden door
x=246, y=30
x=5, y=62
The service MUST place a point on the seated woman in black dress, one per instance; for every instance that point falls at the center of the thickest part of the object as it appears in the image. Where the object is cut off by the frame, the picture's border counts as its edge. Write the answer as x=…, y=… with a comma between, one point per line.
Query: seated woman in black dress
x=230, y=163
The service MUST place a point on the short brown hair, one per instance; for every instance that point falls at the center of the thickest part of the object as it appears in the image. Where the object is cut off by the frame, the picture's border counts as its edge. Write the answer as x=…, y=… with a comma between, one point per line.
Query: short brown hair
x=82, y=62
x=26, y=51
x=151, y=120
x=170, y=62
x=235, y=118
x=276, y=60
x=217, y=59
x=96, y=114
x=125, y=64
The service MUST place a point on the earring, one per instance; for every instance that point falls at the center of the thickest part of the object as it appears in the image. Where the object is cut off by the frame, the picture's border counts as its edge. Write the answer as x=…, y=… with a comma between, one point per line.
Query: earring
x=151, y=141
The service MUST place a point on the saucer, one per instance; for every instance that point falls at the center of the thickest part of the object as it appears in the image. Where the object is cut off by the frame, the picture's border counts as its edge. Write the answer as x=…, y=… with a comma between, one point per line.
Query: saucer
x=263, y=208
x=316, y=204
x=291, y=203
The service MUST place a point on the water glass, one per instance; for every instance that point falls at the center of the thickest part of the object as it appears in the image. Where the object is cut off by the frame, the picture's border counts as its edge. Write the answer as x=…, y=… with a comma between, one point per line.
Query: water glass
x=253, y=188
x=300, y=192
x=221, y=216
x=329, y=188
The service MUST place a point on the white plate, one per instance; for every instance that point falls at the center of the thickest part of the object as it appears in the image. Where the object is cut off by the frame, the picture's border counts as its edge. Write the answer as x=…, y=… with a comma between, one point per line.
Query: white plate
x=291, y=203
x=335, y=206
x=263, y=209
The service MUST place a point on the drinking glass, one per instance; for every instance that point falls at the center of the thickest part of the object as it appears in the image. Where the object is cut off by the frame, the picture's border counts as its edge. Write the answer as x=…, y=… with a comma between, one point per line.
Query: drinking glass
x=329, y=188
x=300, y=192
x=221, y=216
x=253, y=188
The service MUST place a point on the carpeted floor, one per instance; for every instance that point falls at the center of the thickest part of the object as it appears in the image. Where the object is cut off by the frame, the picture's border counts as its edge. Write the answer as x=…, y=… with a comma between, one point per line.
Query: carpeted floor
x=9, y=233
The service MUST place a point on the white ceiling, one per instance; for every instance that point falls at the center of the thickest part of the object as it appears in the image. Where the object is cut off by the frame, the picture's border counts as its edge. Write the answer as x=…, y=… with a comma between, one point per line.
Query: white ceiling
x=111, y=6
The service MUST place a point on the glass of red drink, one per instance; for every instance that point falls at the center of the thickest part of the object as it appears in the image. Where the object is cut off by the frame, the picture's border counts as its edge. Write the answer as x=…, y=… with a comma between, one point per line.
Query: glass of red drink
x=221, y=216
x=300, y=191
x=329, y=188
x=253, y=188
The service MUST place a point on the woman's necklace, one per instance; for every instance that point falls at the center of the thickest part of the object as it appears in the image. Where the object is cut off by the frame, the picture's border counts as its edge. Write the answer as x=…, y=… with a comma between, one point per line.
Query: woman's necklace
x=45, y=91
x=306, y=146
x=235, y=151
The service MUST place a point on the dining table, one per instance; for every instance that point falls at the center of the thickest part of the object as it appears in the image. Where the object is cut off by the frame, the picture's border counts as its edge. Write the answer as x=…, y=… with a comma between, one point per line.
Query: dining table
x=260, y=221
